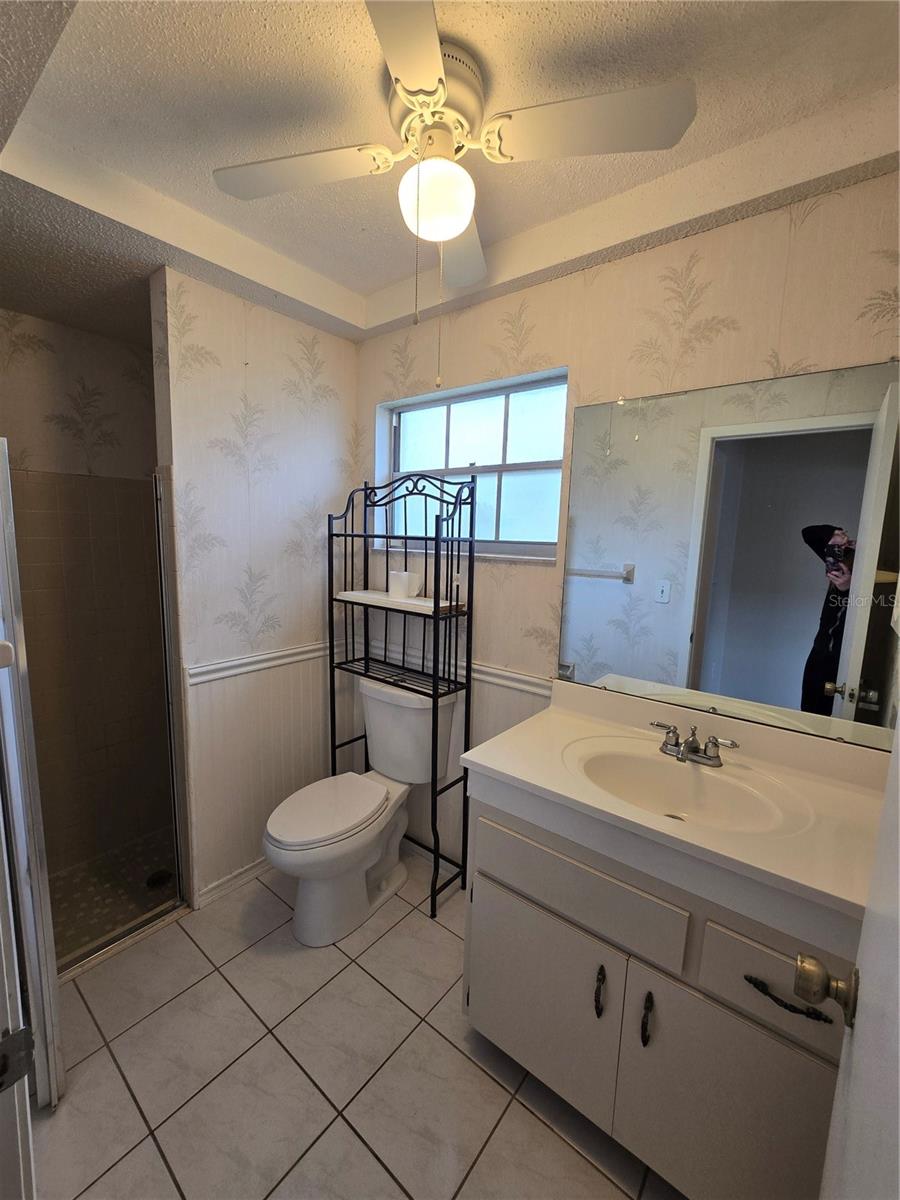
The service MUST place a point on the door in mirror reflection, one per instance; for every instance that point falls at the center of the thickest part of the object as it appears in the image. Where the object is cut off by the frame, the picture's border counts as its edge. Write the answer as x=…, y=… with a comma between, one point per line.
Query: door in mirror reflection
x=759, y=521
x=775, y=566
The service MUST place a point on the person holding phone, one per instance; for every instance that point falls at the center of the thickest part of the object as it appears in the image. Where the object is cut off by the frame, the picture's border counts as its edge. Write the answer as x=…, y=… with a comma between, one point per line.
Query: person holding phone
x=836, y=549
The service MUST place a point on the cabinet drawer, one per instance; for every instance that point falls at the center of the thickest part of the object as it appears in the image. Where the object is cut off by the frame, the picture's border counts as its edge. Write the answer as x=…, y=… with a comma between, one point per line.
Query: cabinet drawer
x=652, y=928
x=719, y=1107
x=548, y=994
x=728, y=957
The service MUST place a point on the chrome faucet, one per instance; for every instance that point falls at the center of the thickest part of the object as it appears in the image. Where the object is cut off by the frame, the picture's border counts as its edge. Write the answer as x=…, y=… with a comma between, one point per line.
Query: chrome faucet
x=690, y=749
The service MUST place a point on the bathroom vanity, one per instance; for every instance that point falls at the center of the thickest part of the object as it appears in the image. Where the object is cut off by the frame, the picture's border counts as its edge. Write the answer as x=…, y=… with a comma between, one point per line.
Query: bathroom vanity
x=634, y=924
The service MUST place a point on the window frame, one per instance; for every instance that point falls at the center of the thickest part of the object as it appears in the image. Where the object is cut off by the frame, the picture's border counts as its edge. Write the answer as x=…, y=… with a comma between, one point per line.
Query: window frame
x=494, y=546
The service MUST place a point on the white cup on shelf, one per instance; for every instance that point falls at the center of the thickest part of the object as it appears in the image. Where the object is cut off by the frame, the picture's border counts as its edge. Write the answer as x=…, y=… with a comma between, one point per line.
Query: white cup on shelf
x=403, y=584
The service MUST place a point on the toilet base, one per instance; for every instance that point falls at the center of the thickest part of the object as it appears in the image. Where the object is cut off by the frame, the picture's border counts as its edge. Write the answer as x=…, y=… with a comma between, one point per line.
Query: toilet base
x=326, y=910
x=330, y=906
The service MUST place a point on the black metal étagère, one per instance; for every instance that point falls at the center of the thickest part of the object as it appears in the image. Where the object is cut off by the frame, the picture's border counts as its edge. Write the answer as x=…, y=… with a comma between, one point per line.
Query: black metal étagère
x=423, y=525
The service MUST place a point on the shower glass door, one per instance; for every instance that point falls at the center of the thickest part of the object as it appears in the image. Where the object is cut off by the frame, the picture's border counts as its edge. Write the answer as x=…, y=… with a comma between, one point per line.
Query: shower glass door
x=88, y=564
x=21, y=816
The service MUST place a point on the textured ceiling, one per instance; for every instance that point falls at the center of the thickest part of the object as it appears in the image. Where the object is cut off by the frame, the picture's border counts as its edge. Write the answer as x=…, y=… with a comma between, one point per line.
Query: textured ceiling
x=165, y=92
x=29, y=30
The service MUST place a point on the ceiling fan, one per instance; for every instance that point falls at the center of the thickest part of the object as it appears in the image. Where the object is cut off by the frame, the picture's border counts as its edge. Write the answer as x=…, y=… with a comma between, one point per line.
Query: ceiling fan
x=436, y=107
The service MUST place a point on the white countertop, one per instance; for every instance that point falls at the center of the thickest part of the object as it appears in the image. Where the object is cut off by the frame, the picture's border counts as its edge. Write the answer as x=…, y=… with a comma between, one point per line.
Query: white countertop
x=829, y=862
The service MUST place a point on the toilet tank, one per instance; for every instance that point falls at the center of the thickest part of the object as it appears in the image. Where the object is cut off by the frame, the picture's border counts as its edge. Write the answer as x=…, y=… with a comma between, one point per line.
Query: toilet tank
x=398, y=729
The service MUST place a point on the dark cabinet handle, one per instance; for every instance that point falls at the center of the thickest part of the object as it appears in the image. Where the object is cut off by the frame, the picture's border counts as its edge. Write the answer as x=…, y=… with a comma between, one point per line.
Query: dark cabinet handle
x=811, y=1014
x=598, y=990
x=645, y=1019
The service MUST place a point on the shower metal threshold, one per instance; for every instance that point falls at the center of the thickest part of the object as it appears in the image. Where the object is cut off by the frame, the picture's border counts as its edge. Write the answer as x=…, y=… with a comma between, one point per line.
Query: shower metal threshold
x=120, y=939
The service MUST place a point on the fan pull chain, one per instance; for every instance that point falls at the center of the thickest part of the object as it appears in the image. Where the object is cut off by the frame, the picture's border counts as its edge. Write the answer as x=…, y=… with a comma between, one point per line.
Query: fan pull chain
x=438, y=382
x=418, y=227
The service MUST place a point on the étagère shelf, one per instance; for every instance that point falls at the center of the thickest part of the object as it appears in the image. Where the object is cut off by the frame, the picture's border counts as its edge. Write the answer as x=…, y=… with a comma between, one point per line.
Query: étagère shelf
x=423, y=525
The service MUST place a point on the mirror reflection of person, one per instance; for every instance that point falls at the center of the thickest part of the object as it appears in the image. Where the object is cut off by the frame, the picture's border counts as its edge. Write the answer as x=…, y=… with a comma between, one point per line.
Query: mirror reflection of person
x=835, y=548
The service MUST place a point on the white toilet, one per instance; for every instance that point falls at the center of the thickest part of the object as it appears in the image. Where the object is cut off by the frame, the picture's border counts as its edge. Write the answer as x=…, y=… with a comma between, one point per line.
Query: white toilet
x=340, y=837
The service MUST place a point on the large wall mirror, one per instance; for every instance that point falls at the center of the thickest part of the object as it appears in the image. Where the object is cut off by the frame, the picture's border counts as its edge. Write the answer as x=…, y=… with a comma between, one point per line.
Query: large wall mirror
x=736, y=549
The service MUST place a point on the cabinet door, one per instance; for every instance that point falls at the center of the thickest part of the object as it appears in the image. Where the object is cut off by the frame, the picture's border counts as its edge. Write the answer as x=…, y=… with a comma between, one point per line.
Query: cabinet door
x=548, y=994
x=719, y=1107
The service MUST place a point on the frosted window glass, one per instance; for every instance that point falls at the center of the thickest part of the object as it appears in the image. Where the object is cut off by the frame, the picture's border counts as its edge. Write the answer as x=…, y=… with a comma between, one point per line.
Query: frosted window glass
x=529, y=506
x=476, y=432
x=423, y=433
x=485, y=507
x=415, y=517
x=537, y=423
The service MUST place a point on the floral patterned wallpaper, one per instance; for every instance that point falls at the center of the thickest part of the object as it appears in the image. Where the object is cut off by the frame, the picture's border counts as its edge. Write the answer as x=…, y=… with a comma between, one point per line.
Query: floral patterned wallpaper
x=264, y=447
x=811, y=286
x=272, y=421
x=74, y=402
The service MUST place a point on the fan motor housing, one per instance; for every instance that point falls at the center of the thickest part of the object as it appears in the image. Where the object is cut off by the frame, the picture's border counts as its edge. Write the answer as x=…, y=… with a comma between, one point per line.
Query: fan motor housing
x=464, y=108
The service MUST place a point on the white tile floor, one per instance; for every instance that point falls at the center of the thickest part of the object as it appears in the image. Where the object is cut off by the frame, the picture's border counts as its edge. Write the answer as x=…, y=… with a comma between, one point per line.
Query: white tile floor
x=218, y=1060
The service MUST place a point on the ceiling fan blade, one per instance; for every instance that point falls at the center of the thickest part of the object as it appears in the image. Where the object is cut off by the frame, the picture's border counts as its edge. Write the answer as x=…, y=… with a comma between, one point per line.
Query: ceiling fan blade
x=464, y=259
x=407, y=31
x=250, y=181
x=652, y=118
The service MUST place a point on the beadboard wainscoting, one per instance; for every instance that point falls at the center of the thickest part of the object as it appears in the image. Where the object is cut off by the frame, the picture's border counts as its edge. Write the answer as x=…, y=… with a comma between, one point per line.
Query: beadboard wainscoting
x=259, y=730
x=257, y=733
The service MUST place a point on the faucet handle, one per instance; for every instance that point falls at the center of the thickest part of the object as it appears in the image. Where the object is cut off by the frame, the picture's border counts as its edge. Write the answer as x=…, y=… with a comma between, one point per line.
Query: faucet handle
x=671, y=738
x=716, y=742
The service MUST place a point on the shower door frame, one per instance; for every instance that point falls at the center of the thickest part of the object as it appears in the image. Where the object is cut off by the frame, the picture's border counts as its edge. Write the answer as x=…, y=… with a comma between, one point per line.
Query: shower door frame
x=28, y=854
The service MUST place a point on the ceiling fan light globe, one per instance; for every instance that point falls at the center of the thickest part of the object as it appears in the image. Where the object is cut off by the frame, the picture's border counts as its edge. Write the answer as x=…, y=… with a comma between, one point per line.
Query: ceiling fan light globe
x=441, y=194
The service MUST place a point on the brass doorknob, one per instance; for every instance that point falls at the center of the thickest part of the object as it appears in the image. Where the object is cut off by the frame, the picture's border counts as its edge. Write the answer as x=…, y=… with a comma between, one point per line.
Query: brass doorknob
x=835, y=689
x=813, y=983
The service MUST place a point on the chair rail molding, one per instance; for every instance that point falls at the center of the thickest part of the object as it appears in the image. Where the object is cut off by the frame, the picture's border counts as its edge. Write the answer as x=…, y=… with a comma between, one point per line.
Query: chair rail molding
x=244, y=665
x=200, y=673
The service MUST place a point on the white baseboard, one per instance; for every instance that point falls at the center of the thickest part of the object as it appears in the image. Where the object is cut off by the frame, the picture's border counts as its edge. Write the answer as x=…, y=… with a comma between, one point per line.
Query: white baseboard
x=215, y=891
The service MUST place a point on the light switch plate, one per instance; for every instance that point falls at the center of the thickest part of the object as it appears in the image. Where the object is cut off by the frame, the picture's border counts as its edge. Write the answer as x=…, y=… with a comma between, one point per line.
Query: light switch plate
x=663, y=591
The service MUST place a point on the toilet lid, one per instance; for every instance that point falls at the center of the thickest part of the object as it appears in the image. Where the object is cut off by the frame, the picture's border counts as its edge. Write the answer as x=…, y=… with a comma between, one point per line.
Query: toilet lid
x=327, y=810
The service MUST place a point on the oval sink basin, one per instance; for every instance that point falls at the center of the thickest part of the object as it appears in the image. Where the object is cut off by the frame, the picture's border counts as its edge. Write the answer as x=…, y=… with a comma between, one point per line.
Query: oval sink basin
x=734, y=798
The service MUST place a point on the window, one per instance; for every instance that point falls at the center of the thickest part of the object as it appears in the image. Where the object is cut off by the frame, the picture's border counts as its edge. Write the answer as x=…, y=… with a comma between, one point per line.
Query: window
x=512, y=439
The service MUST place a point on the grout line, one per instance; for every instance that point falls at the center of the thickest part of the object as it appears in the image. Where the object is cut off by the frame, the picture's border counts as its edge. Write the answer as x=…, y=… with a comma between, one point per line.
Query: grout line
x=259, y=879
x=420, y=1022
x=438, y=921
x=146, y=1138
x=380, y=1067
x=237, y=954
x=288, y=1015
x=405, y=1003
x=128, y=1028
x=340, y=1113
x=474, y=1061
x=271, y=1033
x=473, y=1164
x=262, y=1037
x=134, y=1098
x=317, y=1138
x=543, y=1120
x=355, y=1133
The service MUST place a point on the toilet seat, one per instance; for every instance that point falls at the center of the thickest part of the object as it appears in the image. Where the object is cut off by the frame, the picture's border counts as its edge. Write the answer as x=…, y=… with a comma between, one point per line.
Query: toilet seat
x=326, y=811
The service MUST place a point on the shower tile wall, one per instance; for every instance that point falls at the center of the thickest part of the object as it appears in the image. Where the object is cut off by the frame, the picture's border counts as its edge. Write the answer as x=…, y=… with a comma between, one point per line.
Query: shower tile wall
x=77, y=412
x=90, y=600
